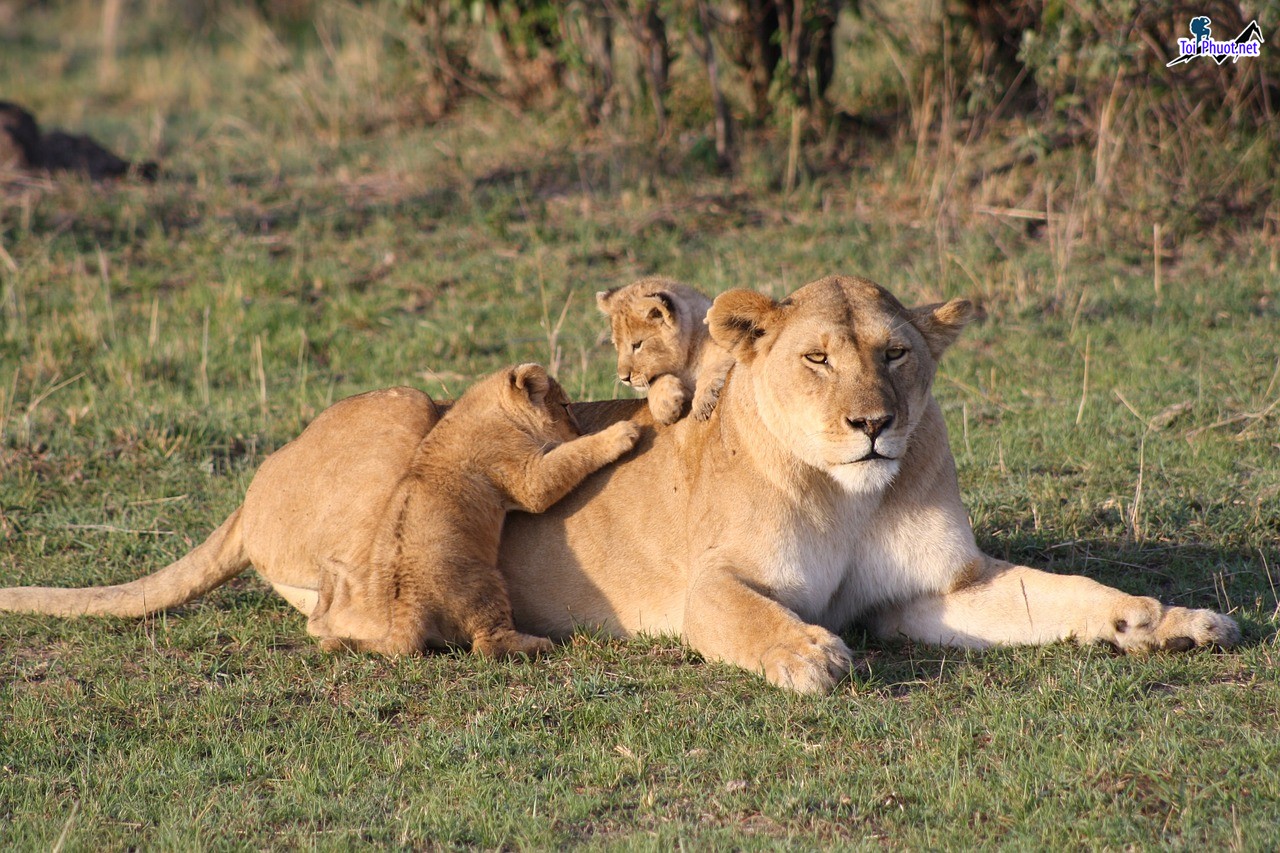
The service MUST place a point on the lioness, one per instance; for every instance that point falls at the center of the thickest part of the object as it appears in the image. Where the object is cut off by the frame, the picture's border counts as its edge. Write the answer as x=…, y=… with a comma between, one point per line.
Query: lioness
x=509, y=442
x=658, y=328
x=820, y=491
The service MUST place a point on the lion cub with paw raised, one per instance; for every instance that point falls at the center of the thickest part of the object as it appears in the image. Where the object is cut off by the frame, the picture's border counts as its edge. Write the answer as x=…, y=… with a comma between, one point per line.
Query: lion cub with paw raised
x=510, y=442
x=658, y=327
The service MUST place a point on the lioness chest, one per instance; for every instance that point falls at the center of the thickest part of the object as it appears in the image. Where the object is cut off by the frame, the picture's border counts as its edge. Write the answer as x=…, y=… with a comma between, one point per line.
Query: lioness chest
x=830, y=571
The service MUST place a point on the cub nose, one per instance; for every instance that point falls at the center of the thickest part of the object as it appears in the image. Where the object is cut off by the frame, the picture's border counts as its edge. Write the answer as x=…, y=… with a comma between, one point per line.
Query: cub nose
x=624, y=378
x=871, y=426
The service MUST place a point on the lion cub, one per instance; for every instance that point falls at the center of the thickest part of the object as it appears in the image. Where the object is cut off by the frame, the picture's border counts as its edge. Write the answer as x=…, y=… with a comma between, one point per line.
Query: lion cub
x=659, y=329
x=510, y=442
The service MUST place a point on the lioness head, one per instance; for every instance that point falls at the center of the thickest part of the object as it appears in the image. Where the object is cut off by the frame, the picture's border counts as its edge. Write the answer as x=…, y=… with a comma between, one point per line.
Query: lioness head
x=653, y=322
x=536, y=403
x=841, y=371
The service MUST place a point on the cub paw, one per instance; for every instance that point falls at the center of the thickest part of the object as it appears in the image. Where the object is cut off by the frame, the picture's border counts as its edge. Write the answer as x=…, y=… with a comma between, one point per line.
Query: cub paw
x=705, y=404
x=508, y=644
x=620, y=438
x=1146, y=625
x=813, y=663
x=336, y=644
x=667, y=397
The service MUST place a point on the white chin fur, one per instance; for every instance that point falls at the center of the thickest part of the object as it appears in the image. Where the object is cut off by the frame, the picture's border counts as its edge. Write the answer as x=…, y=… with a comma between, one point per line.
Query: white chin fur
x=868, y=477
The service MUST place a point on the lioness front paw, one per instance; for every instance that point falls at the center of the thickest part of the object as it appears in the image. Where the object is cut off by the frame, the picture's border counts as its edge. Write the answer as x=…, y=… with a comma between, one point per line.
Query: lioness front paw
x=667, y=397
x=1147, y=625
x=1183, y=629
x=814, y=663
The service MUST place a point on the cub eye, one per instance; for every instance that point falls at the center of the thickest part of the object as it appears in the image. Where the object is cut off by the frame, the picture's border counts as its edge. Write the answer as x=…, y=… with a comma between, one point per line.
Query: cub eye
x=894, y=353
x=816, y=357
x=635, y=347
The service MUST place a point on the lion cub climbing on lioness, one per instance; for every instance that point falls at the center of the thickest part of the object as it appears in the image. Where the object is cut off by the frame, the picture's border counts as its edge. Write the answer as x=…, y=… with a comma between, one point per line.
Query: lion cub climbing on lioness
x=659, y=329
x=510, y=442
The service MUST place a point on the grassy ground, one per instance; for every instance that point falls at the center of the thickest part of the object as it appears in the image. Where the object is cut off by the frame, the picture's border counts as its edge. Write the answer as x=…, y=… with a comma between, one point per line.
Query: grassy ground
x=159, y=340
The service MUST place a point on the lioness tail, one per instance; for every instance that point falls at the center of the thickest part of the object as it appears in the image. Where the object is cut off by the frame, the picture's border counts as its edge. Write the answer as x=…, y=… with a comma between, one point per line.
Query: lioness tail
x=214, y=562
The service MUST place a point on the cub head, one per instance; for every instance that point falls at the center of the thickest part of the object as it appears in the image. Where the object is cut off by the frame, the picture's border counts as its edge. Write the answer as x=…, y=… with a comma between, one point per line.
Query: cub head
x=840, y=371
x=653, y=323
x=537, y=404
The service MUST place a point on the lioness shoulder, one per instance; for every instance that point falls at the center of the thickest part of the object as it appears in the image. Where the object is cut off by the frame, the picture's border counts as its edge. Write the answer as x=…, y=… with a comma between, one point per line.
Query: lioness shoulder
x=658, y=328
x=510, y=442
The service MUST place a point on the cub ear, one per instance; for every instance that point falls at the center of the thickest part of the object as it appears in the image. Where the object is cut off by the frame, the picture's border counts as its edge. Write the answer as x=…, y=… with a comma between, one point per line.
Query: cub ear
x=604, y=297
x=740, y=320
x=532, y=381
x=662, y=308
x=941, y=323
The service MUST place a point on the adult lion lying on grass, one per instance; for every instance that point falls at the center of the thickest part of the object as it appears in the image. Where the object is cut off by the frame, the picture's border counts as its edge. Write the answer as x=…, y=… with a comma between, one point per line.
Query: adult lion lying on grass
x=820, y=491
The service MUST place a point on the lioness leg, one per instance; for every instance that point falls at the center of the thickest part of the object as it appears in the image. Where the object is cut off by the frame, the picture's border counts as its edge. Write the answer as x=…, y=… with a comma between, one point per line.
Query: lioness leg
x=1008, y=604
x=726, y=620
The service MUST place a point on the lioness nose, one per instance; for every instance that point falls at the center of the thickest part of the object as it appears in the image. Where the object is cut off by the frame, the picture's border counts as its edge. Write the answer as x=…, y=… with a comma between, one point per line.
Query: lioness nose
x=872, y=426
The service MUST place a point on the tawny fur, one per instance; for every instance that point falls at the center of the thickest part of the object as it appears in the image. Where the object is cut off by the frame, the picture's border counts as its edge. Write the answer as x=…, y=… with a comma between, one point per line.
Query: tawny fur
x=428, y=577
x=658, y=327
x=510, y=442
x=820, y=491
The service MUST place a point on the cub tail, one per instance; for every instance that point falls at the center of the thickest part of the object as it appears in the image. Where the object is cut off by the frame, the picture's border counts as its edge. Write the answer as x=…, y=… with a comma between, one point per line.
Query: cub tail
x=212, y=563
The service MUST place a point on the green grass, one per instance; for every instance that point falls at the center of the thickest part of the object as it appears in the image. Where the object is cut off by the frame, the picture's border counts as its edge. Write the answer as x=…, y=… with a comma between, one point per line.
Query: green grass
x=329, y=247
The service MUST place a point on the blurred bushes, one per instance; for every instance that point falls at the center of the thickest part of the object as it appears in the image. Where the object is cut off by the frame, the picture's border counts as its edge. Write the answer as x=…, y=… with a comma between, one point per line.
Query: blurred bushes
x=616, y=56
x=1069, y=56
x=1066, y=91
x=774, y=55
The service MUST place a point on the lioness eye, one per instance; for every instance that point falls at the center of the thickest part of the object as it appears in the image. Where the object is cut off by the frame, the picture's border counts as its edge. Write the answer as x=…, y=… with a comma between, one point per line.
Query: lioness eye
x=894, y=353
x=816, y=357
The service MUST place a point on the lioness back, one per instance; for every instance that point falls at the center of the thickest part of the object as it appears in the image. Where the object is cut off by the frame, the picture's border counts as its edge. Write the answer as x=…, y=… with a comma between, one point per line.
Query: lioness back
x=658, y=328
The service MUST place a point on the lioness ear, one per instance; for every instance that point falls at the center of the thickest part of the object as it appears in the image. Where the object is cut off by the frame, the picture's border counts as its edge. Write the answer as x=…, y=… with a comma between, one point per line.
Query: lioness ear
x=532, y=380
x=663, y=308
x=940, y=323
x=739, y=320
x=604, y=297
